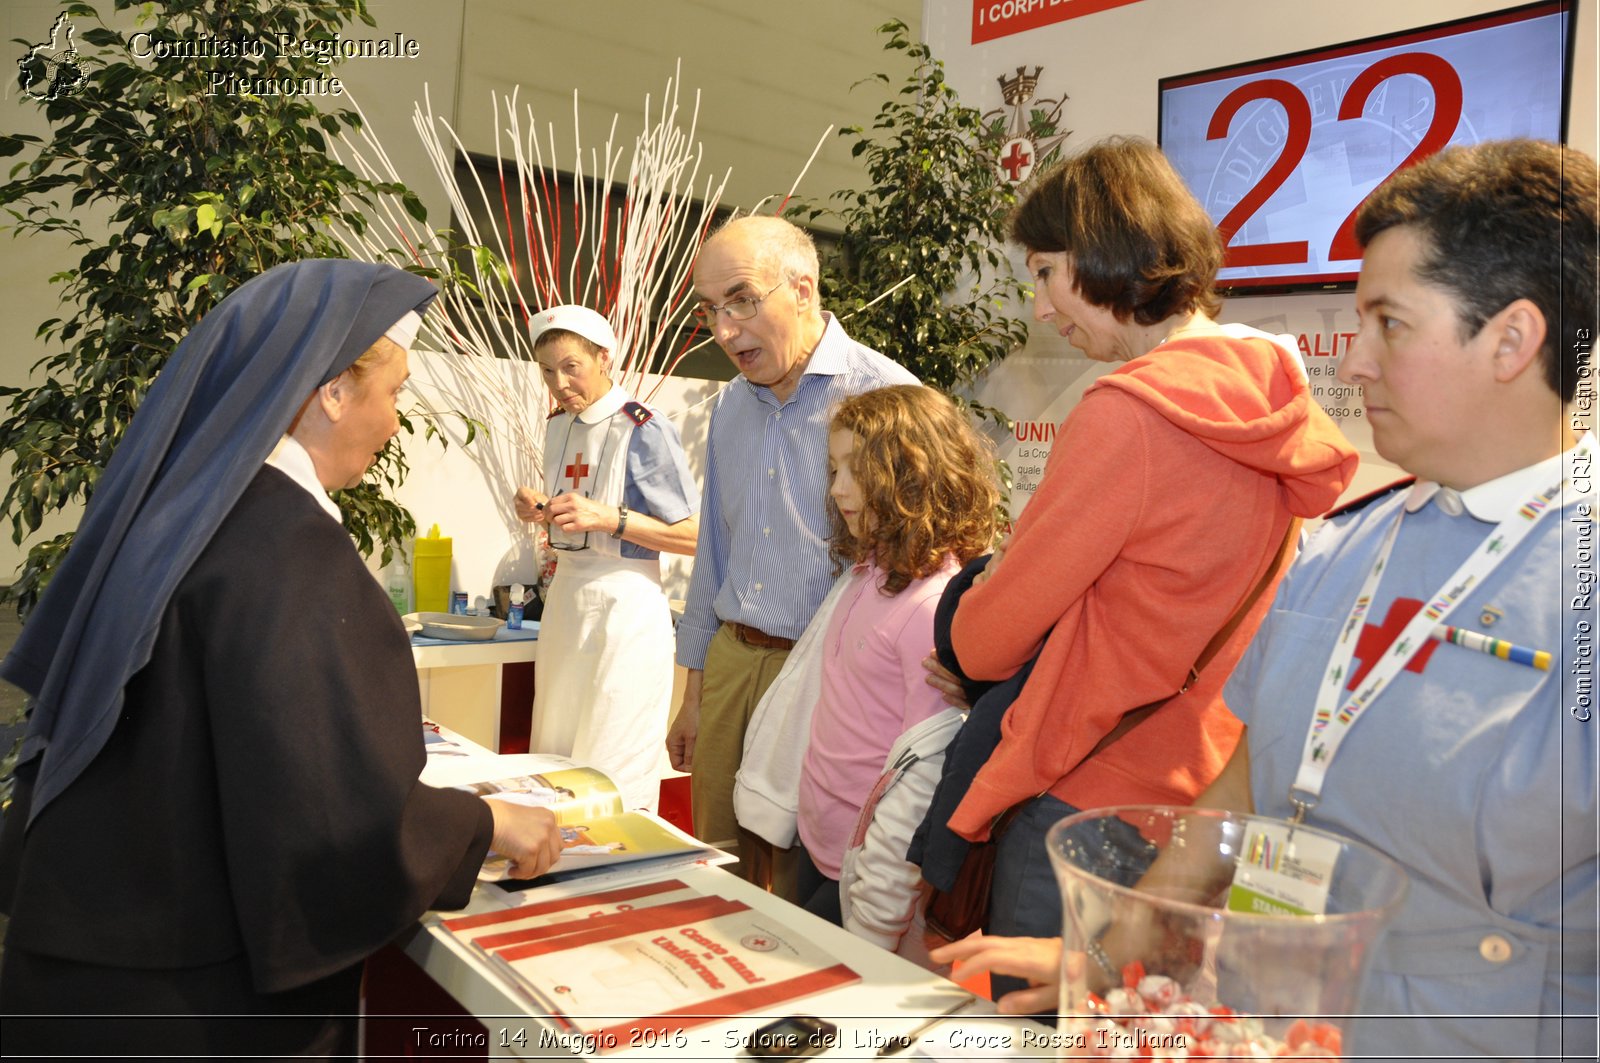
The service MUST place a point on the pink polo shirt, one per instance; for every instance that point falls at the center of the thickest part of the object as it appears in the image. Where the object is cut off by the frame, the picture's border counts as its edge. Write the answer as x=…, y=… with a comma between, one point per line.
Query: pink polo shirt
x=873, y=690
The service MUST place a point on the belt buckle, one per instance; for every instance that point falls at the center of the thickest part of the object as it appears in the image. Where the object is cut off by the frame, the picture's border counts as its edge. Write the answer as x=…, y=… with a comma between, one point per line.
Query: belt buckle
x=754, y=636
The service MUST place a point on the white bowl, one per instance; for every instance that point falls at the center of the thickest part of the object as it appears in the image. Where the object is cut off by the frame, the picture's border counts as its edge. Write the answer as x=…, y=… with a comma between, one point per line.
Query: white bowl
x=456, y=627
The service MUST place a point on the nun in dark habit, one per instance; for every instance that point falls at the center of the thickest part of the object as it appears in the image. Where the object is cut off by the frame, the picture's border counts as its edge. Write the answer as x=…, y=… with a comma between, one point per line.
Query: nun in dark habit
x=218, y=811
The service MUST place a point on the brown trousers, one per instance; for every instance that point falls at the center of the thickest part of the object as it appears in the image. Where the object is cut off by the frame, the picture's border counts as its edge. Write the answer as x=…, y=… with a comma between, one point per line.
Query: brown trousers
x=736, y=675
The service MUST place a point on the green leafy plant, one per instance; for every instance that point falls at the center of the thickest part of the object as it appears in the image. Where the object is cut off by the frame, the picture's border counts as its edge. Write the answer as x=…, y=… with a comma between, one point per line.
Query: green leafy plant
x=206, y=186
x=932, y=222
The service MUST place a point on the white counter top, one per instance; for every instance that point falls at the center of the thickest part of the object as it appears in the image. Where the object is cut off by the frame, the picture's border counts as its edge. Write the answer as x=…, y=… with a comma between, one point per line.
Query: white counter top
x=893, y=997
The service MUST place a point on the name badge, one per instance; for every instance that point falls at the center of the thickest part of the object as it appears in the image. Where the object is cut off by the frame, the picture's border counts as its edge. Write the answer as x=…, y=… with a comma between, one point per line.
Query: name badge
x=1282, y=872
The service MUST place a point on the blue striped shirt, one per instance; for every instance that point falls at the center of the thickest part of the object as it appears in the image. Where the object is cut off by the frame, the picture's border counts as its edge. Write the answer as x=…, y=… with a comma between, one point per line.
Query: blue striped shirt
x=762, y=557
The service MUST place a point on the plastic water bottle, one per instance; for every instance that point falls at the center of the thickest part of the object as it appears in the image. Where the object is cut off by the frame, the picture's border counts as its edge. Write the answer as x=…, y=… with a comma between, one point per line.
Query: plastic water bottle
x=398, y=585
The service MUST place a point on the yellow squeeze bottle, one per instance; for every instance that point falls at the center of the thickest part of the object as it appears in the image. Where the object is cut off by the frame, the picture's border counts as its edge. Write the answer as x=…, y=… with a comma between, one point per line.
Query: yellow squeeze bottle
x=430, y=572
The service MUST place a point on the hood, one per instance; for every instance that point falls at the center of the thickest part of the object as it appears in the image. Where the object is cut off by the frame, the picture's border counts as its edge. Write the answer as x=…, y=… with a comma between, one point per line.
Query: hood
x=1244, y=394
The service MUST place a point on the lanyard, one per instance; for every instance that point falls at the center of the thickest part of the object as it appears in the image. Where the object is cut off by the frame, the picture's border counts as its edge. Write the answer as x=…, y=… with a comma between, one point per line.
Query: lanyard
x=1336, y=712
x=560, y=540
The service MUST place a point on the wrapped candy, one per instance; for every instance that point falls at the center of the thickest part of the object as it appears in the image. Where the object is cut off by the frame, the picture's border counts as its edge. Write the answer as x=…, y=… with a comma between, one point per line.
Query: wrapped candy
x=1149, y=1017
x=1231, y=926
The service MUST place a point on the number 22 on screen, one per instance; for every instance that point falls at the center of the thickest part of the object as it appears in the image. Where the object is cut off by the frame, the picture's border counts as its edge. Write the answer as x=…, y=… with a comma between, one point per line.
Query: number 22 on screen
x=1439, y=74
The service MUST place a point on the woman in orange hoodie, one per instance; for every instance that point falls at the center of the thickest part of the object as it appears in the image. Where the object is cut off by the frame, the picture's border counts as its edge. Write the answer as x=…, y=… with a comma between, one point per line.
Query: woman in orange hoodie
x=1169, y=491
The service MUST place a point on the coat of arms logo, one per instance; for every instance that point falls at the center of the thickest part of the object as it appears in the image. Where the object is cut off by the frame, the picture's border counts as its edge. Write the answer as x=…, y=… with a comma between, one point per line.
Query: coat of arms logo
x=1025, y=132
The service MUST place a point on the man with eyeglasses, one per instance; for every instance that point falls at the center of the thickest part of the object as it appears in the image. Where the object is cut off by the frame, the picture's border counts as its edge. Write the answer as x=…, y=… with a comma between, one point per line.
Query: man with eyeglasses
x=761, y=566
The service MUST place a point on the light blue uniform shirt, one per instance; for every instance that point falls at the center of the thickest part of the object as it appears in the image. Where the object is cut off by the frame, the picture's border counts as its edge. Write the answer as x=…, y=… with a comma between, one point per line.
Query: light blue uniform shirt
x=659, y=481
x=1474, y=773
x=762, y=558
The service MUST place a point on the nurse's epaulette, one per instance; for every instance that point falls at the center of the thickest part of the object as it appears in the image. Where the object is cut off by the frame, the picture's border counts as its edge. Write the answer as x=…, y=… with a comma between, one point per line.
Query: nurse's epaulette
x=637, y=412
x=1357, y=504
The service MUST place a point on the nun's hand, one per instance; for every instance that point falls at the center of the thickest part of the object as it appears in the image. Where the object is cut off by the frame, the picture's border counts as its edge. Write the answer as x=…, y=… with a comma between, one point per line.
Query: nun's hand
x=528, y=837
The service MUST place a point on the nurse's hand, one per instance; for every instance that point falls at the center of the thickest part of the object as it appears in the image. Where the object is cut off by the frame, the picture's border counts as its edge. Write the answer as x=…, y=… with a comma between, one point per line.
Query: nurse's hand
x=530, y=505
x=528, y=837
x=575, y=514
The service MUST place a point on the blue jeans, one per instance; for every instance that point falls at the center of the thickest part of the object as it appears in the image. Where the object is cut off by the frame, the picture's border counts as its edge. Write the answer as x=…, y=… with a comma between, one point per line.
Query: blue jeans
x=817, y=893
x=1024, y=900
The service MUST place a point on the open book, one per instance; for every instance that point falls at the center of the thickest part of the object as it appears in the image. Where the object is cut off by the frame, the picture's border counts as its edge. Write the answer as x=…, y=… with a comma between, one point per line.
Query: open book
x=597, y=833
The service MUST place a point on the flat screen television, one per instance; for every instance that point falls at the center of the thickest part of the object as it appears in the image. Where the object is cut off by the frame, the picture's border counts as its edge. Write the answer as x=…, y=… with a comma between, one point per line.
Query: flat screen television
x=1282, y=151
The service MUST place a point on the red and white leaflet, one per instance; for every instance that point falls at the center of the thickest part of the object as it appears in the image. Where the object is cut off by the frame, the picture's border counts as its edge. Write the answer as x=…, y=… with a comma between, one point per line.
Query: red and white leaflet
x=489, y=930
x=672, y=966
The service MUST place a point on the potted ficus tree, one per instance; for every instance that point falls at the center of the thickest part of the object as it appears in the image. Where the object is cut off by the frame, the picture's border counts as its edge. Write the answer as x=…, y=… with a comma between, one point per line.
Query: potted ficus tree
x=202, y=191
x=928, y=230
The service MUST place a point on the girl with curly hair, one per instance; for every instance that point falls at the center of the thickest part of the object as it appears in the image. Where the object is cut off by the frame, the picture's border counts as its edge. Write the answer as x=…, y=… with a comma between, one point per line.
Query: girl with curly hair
x=912, y=498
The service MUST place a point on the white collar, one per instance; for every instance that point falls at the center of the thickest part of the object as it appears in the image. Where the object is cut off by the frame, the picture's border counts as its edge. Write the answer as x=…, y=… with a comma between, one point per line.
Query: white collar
x=1495, y=500
x=294, y=461
x=604, y=406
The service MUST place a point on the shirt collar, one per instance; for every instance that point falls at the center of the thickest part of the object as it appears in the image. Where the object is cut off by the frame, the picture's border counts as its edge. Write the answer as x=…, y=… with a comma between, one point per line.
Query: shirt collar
x=1494, y=501
x=293, y=460
x=604, y=406
x=828, y=359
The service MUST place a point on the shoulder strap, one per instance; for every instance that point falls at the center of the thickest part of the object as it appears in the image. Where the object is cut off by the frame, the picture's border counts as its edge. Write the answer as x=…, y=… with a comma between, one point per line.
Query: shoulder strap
x=1280, y=561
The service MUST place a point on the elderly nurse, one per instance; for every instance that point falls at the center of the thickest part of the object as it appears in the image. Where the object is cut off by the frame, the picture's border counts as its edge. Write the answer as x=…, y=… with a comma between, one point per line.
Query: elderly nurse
x=617, y=493
x=218, y=816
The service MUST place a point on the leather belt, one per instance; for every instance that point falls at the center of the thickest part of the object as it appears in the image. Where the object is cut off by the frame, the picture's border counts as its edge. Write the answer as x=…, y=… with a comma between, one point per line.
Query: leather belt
x=754, y=636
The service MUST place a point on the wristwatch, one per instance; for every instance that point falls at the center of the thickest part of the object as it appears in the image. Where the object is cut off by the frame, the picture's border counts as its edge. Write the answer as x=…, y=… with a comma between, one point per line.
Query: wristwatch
x=622, y=521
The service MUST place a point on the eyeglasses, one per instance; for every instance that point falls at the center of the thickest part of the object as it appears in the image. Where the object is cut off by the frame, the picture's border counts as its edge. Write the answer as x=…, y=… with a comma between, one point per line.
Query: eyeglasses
x=743, y=308
x=571, y=545
x=571, y=541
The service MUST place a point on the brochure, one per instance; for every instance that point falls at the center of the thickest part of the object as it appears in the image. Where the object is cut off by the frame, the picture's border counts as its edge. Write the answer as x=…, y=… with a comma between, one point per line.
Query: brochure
x=672, y=966
x=598, y=835
x=491, y=930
